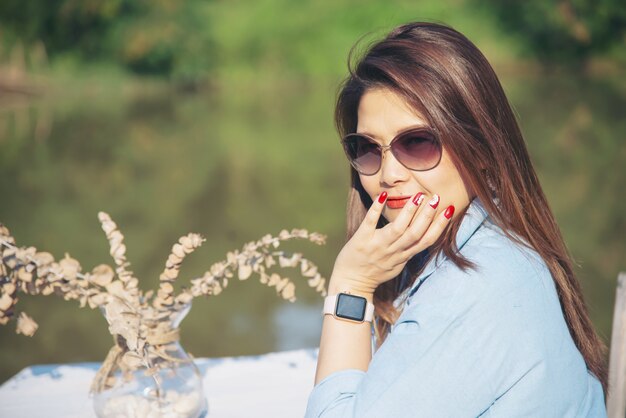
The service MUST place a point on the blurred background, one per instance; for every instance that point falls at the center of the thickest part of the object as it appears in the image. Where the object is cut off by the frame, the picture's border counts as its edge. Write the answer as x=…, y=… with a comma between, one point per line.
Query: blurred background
x=215, y=117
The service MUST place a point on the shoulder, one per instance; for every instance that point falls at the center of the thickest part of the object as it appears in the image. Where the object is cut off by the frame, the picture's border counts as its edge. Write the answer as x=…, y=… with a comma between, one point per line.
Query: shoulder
x=502, y=263
x=509, y=283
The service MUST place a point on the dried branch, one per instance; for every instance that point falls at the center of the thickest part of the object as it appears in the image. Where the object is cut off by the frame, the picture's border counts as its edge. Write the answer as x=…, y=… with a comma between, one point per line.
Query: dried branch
x=185, y=245
x=143, y=325
x=256, y=257
x=118, y=252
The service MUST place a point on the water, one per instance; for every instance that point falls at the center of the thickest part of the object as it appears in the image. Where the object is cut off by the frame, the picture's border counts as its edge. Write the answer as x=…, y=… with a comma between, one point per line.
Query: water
x=237, y=162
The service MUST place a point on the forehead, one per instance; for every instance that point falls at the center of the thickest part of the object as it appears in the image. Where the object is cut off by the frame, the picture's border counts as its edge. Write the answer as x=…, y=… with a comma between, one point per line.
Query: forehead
x=383, y=113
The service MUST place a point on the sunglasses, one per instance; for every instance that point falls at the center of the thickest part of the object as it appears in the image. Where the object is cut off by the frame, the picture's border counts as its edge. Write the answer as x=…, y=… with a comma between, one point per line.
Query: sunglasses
x=417, y=149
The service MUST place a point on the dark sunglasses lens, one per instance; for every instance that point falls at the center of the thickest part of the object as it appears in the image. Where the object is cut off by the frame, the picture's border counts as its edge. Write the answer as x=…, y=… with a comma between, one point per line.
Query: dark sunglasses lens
x=418, y=150
x=363, y=154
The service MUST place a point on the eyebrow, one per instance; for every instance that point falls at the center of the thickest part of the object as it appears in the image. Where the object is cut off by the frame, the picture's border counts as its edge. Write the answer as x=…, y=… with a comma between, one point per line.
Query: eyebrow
x=401, y=131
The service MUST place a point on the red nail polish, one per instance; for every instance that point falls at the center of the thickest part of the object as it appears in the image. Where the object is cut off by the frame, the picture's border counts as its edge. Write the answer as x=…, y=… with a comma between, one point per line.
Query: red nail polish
x=382, y=197
x=449, y=212
x=434, y=201
x=418, y=198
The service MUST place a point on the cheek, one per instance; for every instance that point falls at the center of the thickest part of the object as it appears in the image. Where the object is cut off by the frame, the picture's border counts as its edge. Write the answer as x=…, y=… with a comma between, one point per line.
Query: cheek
x=456, y=191
x=454, y=182
x=369, y=184
x=446, y=181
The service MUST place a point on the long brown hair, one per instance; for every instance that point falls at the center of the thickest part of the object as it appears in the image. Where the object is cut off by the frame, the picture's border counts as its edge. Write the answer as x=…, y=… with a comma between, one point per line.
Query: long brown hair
x=442, y=75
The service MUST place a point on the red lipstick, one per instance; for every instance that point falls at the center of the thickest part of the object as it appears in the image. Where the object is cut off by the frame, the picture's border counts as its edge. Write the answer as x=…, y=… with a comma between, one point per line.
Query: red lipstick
x=397, y=202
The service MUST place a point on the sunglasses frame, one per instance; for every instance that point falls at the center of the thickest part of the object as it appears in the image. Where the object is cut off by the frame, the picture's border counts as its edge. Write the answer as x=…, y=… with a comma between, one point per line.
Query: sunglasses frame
x=383, y=148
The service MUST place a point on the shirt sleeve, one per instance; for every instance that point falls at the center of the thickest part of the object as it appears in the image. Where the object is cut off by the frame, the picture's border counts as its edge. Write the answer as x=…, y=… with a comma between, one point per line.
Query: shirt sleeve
x=460, y=347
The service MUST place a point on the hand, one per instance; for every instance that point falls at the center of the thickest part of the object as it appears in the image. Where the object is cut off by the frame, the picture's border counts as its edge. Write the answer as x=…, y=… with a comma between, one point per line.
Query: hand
x=373, y=256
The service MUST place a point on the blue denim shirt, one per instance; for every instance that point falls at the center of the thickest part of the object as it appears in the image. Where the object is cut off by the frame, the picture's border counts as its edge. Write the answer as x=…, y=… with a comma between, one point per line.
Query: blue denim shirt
x=490, y=342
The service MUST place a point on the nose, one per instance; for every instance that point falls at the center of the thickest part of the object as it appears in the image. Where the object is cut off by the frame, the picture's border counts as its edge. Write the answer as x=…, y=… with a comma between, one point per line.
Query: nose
x=391, y=171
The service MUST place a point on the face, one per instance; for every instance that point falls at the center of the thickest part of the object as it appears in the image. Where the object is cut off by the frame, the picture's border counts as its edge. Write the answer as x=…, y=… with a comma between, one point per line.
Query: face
x=382, y=114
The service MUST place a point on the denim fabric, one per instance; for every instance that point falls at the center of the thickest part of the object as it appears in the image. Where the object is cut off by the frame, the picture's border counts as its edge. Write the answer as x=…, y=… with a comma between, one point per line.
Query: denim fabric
x=487, y=342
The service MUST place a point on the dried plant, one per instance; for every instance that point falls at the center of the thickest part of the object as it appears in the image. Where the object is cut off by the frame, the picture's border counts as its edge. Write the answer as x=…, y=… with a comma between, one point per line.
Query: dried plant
x=142, y=324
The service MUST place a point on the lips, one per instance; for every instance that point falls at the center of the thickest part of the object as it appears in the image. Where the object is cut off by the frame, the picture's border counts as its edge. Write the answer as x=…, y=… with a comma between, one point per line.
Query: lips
x=397, y=202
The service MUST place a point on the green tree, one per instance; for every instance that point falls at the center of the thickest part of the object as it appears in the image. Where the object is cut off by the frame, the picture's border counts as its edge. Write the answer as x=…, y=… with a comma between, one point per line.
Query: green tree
x=564, y=30
x=168, y=37
x=164, y=37
x=63, y=24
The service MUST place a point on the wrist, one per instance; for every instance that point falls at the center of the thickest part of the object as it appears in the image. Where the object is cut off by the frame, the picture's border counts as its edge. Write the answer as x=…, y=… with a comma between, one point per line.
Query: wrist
x=337, y=285
x=350, y=307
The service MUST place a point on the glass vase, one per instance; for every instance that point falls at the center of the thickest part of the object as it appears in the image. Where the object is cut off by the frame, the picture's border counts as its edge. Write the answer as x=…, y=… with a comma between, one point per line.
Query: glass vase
x=163, y=382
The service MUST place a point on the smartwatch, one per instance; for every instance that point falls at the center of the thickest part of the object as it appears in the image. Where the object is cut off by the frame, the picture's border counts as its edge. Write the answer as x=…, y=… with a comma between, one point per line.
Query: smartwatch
x=348, y=307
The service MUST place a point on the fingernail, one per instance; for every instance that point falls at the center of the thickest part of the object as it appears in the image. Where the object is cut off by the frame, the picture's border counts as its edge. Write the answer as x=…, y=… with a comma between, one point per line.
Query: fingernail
x=434, y=202
x=382, y=197
x=418, y=198
x=449, y=212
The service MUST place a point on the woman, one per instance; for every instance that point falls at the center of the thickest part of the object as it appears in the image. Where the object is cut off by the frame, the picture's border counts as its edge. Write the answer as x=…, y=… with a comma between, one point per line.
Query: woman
x=452, y=244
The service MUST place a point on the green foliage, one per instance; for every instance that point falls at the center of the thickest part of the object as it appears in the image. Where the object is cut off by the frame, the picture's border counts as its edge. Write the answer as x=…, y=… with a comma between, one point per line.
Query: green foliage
x=564, y=30
x=168, y=37
x=63, y=24
x=286, y=38
x=187, y=40
x=164, y=37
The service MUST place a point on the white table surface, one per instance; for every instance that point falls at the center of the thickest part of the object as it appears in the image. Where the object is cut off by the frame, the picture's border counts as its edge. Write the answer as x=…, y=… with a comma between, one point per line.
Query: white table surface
x=270, y=385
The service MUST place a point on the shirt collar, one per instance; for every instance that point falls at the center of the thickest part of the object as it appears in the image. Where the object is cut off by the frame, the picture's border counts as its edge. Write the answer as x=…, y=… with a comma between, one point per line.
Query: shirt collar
x=474, y=217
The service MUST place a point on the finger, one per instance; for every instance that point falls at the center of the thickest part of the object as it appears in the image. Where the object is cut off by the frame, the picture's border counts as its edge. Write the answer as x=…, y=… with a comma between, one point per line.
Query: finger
x=373, y=214
x=398, y=227
x=417, y=230
x=434, y=231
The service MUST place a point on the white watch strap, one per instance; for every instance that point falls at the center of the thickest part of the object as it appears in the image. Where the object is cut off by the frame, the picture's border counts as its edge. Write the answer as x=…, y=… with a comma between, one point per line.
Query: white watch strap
x=330, y=302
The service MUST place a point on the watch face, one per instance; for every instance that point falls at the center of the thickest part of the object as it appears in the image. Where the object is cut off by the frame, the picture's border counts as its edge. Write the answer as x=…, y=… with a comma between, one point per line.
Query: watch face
x=351, y=307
